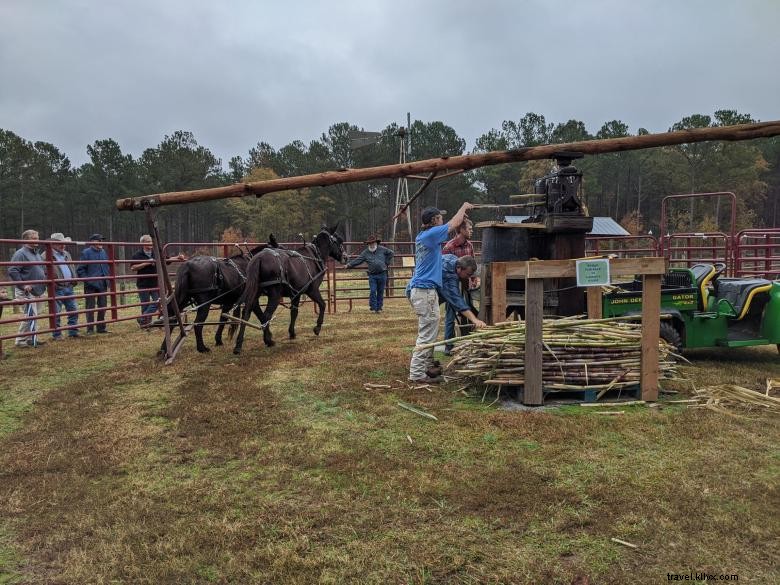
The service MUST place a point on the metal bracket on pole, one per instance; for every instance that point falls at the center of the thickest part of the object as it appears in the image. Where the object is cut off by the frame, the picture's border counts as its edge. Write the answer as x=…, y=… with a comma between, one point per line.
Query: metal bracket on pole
x=167, y=296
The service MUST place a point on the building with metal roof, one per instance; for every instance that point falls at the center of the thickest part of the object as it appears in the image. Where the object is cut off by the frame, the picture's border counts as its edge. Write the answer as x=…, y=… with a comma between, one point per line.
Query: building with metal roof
x=602, y=226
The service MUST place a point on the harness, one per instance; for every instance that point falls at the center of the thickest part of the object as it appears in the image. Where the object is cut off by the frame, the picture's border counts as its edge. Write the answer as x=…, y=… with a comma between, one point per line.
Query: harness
x=316, y=257
x=218, y=278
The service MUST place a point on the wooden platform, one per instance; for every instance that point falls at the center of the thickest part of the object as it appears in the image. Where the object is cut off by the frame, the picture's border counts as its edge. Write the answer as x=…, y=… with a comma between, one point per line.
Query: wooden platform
x=506, y=224
x=553, y=223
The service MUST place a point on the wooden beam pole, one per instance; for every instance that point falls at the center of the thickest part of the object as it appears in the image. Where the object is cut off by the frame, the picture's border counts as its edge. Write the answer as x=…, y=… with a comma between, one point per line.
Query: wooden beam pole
x=463, y=162
x=498, y=292
x=533, y=394
x=594, y=296
x=568, y=268
x=651, y=324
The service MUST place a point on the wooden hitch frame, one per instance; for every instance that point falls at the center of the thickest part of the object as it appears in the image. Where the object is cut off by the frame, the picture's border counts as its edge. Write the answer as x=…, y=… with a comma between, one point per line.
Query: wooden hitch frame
x=167, y=295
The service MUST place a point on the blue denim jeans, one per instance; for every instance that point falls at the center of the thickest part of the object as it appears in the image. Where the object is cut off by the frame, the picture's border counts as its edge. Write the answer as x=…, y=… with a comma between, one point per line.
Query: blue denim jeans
x=68, y=305
x=376, y=283
x=449, y=325
x=91, y=302
x=145, y=296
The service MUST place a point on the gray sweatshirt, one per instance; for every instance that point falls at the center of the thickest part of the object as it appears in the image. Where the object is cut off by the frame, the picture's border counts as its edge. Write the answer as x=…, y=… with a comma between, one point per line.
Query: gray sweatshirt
x=27, y=271
x=377, y=261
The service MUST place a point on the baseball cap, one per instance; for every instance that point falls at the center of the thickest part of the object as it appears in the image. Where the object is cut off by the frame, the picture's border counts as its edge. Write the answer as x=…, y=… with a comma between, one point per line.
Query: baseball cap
x=96, y=237
x=429, y=213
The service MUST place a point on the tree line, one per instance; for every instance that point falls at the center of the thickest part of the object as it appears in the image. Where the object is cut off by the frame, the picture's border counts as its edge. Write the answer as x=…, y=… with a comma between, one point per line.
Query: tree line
x=40, y=189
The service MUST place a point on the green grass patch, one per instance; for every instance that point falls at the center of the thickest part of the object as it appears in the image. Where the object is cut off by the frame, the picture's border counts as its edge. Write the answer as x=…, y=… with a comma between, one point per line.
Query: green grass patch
x=279, y=466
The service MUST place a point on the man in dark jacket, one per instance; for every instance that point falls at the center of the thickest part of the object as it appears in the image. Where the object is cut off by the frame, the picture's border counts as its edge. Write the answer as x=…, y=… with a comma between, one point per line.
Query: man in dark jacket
x=97, y=285
x=148, y=287
x=145, y=267
x=377, y=258
x=456, y=272
x=29, y=269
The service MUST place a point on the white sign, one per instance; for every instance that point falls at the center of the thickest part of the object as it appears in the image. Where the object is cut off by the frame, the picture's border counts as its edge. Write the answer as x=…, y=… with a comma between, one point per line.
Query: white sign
x=593, y=272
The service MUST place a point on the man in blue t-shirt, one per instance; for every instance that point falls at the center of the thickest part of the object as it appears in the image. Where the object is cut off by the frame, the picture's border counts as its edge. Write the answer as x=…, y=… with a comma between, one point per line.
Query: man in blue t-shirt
x=423, y=288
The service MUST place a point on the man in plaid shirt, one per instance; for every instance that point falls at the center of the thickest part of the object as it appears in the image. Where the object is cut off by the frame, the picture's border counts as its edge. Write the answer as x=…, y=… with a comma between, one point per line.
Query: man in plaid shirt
x=460, y=246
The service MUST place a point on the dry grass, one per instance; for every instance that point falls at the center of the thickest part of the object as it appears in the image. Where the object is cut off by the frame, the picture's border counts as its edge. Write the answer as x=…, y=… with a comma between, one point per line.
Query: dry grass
x=279, y=467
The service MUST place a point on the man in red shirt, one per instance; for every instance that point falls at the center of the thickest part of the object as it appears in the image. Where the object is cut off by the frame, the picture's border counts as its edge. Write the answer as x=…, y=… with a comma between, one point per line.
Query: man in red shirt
x=460, y=246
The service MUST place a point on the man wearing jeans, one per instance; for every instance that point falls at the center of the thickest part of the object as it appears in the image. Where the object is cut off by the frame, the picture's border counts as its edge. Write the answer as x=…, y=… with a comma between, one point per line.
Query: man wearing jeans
x=65, y=273
x=145, y=267
x=97, y=285
x=459, y=246
x=377, y=259
x=423, y=288
x=30, y=268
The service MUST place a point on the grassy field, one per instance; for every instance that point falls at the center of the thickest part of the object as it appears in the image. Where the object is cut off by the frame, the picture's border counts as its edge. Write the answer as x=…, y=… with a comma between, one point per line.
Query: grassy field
x=279, y=467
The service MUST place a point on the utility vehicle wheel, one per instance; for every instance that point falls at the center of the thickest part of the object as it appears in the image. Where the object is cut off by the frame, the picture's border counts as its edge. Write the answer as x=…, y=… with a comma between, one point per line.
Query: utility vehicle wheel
x=671, y=336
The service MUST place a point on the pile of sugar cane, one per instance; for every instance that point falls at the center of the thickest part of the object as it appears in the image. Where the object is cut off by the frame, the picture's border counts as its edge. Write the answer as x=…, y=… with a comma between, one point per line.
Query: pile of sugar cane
x=577, y=353
x=722, y=396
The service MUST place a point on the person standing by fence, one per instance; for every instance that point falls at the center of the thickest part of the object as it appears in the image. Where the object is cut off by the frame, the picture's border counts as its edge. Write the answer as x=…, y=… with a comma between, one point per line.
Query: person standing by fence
x=65, y=273
x=378, y=259
x=33, y=293
x=97, y=285
x=146, y=283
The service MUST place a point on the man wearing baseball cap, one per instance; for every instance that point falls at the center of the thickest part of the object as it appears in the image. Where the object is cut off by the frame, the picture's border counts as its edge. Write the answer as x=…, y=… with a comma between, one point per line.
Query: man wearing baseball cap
x=97, y=286
x=423, y=288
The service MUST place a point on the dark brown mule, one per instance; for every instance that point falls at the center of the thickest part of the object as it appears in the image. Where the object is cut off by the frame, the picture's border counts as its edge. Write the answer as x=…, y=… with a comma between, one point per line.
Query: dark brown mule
x=204, y=281
x=289, y=273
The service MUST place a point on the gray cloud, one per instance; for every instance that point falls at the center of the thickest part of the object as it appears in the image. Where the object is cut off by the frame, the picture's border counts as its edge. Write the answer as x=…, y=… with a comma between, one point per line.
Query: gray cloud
x=239, y=72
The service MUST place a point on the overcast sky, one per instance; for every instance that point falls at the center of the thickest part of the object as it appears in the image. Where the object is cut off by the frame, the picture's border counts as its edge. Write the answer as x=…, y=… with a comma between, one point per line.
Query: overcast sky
x=235, y=73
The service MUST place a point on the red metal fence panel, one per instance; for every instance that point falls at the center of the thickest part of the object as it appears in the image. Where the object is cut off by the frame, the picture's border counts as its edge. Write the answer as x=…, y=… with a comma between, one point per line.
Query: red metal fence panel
x=757, y=253
x=754, y=252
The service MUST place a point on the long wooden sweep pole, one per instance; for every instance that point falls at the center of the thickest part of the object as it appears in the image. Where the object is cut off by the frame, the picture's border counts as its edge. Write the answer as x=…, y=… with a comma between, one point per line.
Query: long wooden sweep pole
x=464, y=162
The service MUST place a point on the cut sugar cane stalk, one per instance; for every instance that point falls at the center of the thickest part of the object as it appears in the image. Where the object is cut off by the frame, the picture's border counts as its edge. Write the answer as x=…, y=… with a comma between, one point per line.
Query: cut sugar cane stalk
x=416, y=410
x=626, y=403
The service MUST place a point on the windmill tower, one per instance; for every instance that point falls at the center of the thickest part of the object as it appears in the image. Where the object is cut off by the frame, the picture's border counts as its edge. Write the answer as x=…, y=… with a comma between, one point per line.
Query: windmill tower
x=402, y=187
x=360, y=139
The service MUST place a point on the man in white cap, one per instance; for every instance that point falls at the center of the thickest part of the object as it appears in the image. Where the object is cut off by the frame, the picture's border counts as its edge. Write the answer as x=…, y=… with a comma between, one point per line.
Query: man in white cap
x=28, y=275
x=65, y=273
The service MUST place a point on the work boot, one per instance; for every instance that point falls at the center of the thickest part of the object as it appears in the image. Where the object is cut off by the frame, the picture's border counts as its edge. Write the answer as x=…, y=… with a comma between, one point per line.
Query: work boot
x=426, y=381
x=434, y=372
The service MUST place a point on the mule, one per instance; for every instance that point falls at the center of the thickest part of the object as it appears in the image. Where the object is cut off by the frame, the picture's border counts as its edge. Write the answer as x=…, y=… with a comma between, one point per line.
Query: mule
x=289, y=273
x=204, y=280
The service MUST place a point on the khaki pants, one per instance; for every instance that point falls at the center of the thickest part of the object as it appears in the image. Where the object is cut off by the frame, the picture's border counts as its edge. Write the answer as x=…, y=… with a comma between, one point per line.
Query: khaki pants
x=33, y=309
x=425, y=302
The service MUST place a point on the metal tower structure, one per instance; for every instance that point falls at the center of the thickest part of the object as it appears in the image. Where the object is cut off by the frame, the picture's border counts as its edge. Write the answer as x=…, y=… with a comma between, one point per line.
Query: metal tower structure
x=361, y=138
x=402, y=187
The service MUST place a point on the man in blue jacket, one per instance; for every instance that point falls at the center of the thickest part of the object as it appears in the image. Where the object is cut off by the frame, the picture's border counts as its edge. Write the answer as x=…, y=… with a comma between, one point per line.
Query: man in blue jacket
x=423, y=289
x=456, y=272
x=97, y=286
x=377, y=259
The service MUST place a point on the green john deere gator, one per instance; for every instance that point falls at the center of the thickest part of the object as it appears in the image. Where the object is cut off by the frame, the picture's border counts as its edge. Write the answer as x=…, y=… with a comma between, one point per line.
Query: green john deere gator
x=700, y=308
